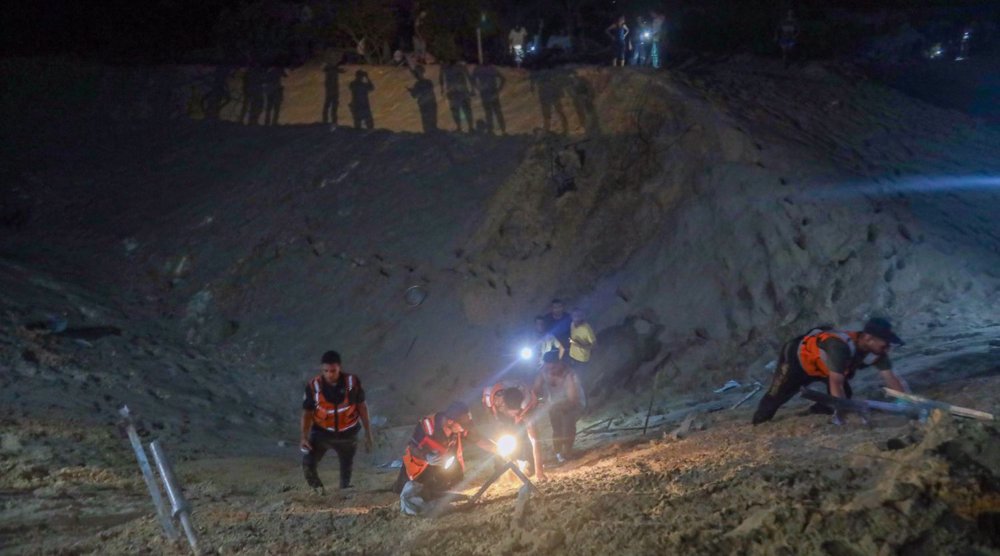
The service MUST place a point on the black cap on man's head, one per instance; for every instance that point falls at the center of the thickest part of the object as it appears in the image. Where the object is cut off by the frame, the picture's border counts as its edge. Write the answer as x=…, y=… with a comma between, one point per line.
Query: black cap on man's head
x=882, y=328
x=330, y=357
x=459, y=411
x=551, y=356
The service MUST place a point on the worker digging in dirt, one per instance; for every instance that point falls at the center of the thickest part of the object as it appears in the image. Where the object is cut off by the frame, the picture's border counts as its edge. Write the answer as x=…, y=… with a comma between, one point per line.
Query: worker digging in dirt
x=832, y=356
x=433, y=461
x=506, y=401
x=560, y=389
x=333, y=412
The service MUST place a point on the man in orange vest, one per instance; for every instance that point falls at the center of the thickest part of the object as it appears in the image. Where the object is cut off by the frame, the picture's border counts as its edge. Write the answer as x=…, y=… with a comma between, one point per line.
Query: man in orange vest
x=830, y=356
x=333, y=412
x=508, y=402
x=433, y=461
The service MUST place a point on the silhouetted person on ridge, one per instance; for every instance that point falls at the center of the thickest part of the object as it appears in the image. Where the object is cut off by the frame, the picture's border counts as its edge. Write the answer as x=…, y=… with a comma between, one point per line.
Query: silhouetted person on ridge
x=274, y=94
x=551, y=87
x=361, y=108
x=253, y=96
x=218, y=96
x=489, y=82
x=331, y=101
x=423, y=92
x=583, y=102
x=455, y=85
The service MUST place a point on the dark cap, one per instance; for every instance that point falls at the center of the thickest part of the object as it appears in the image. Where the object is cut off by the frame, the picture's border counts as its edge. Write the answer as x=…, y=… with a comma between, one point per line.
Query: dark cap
x=330, y=357
x=882, y=328
x=551, y=356
x=459, y=411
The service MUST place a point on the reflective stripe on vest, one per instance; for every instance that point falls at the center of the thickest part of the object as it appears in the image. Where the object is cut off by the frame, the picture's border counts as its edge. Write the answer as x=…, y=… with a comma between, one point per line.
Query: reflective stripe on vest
x=416, y=465
x=814, y=360
x=335, y=417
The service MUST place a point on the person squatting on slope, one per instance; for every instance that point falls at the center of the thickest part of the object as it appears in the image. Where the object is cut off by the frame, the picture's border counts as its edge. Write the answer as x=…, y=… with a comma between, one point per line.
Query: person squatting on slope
x=506, y=401
x=560, y=389
x=333, y=411
x=831, y=356
x=434, y=461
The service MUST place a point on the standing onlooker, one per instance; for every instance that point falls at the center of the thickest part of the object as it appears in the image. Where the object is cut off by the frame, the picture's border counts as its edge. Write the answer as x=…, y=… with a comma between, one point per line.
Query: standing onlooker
x=516, y=40
x=581, y=341
x=333, y=412
x=656, y=44
x=640, y=44
x=457, y=88
x=361, y=108
x=787, y=35
x=560, y=388
x=619, y=33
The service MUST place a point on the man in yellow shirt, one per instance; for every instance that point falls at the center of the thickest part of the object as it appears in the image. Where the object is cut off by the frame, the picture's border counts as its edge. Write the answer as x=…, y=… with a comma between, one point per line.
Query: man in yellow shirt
x=581, y=341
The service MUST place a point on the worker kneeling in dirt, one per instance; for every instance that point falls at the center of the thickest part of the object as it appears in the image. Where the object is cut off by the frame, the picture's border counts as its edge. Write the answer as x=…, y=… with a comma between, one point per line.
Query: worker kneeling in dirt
x=333, y=412
x=832, y=356
x=433, y=461
x=508, y=401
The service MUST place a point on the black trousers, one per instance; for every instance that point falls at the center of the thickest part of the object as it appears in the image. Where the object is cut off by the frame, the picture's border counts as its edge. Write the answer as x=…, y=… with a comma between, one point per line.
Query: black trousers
x=563, y=417
x=344, y=443
x=436, y=479
x=789, y=379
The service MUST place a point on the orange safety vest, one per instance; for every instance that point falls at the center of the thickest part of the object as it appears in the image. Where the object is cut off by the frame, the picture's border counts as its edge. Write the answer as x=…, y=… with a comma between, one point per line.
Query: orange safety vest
x=490, y=394
x=813, y=359
x=335, y=417
x=416, y=465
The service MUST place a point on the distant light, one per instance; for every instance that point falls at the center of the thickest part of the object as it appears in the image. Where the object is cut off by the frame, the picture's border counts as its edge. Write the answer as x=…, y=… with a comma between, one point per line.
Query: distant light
x=527, y=353
x=646, y=35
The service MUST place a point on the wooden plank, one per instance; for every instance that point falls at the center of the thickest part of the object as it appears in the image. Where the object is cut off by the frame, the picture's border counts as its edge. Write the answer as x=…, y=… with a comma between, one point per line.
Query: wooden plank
x=953, y=409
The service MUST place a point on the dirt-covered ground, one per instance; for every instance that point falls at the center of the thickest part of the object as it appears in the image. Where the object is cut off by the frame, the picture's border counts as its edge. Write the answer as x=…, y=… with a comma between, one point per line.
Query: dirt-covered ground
x=157, y=255
x=797, y=485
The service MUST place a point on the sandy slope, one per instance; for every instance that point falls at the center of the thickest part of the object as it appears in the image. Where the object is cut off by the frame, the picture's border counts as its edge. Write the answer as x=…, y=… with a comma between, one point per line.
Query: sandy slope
x=719, y=209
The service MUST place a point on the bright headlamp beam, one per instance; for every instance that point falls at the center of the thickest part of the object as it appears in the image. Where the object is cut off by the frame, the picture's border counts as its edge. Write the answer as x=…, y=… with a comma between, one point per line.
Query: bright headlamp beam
x=506, y=445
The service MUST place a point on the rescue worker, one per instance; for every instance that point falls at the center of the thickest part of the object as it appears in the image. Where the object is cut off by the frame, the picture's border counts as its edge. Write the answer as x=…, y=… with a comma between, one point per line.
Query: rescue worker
x=830, y=356
x=506, y=401
x=434, y=460
x=333, y=412
x=545, y=341
x=581, y=341
x=560, y=389
x=558, y=323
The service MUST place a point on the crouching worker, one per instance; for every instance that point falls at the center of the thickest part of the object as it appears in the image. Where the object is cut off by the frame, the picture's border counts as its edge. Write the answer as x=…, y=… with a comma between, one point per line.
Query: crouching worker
x=433, y=461
x=833, y=357
x=333, y=412
x=507, y=402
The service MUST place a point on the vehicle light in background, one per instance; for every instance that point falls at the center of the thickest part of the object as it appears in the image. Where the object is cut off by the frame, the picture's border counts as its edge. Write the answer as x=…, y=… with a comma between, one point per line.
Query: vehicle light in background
x=526, y=353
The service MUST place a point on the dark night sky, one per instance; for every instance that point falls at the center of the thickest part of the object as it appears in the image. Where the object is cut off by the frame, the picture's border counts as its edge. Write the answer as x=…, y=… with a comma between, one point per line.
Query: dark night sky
x=164, y=29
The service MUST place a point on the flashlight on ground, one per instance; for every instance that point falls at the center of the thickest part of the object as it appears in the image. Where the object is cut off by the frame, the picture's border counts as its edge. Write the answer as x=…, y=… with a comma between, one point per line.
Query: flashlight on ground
x=526, y=353
x=506, y=445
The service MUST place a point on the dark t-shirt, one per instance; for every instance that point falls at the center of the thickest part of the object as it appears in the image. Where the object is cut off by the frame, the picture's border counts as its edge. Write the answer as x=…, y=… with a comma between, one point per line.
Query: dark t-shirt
x=839, y=359
x=333, y=393
x=559, y=327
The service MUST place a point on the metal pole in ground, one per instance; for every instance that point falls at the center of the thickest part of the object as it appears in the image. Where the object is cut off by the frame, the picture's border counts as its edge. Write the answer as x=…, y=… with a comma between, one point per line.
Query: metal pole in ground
x=180, y=505
x=147, y=475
